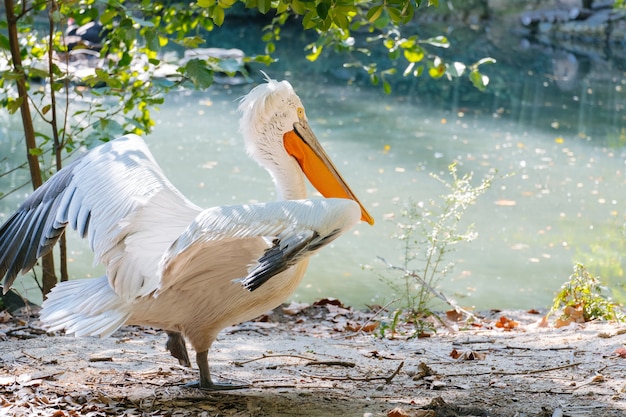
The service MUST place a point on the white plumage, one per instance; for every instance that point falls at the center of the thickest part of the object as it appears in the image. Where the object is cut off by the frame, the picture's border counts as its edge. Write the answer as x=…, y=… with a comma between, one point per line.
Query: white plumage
x=170, y=264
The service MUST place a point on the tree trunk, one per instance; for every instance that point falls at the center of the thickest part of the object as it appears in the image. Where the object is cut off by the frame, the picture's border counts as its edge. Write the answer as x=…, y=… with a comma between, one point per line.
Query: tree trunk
x=47, y=262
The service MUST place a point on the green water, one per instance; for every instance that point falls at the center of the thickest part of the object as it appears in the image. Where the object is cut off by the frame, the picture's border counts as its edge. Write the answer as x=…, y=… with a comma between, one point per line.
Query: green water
x=556, y=144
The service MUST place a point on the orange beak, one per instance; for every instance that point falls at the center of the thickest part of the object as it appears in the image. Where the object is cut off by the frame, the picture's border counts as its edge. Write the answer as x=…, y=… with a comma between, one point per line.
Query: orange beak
x=302, y=144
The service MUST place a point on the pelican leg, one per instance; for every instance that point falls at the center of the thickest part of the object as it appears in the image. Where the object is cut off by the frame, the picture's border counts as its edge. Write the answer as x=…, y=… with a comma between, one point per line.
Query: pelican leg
x=176, y=345
x=205, y=377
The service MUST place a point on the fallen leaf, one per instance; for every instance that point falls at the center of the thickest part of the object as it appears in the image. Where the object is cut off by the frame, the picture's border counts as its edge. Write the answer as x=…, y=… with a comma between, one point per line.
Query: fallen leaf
x=334, y=311
x=506, y=323
x=398, y=412
x=467, y=355
x=329, y=301
x=454, y=315
x=5, y=316
x=356, y=327
x=295, y=308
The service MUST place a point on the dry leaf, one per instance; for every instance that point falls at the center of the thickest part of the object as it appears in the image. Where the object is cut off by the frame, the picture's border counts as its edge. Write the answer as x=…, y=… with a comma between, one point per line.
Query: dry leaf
x=506, y=323
x=398, y=412
x=467, y=355
x=295, y=308
x=334, y=311
x=329, y=301
x=454, y=315
x=5, y=316
x=356, y=327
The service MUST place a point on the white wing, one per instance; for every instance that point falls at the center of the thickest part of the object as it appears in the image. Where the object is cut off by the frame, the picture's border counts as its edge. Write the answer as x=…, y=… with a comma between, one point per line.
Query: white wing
x=115, y=195
x=252, y=243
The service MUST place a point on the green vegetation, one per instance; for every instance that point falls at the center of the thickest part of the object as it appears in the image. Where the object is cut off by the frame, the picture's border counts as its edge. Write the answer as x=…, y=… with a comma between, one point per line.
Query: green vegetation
x=428, y=231
x=604, y=256
x=581, y=299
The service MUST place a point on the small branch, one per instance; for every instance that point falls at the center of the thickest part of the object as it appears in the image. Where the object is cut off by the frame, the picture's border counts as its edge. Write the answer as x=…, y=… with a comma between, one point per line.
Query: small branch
x=387, y=379
x=331, y=363
x=532, y=371
x=241, y=363
x=436, y=293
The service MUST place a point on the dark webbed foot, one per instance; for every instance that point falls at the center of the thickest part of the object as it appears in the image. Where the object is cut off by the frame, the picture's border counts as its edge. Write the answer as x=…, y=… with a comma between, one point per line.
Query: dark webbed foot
x=206, y=383
x=176, y=345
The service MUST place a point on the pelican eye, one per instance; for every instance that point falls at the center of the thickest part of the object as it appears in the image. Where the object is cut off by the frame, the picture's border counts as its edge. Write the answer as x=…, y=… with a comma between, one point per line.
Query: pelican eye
x=300, y=111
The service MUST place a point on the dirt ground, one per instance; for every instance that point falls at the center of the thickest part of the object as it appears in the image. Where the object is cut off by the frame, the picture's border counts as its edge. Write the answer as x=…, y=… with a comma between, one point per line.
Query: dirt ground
x=318, y=361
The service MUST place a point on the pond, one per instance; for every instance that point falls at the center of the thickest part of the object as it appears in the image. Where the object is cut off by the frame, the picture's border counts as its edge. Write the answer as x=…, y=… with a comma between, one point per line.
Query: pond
x=551, y=125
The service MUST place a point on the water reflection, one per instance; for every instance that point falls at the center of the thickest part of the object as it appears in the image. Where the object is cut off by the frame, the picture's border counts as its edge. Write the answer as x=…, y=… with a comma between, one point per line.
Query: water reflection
x=551, y=124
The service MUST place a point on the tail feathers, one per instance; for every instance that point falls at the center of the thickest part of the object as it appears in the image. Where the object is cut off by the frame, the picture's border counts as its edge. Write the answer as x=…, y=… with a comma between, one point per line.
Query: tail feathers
x=86, y=307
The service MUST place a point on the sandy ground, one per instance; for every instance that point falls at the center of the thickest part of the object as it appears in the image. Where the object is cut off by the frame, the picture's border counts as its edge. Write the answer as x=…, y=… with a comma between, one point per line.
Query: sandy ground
x=314, y=362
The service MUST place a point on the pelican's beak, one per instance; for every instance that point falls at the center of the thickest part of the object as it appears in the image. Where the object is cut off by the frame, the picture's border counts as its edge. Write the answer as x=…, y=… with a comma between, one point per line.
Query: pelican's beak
x=302, y=144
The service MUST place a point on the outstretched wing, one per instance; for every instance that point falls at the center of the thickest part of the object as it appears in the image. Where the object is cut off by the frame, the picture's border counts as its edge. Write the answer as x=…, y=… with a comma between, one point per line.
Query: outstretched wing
x=252, y=243
x=116, y=196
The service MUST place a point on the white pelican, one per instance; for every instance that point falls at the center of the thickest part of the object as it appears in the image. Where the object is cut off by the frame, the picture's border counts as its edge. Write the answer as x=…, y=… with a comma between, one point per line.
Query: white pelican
x=170, y=264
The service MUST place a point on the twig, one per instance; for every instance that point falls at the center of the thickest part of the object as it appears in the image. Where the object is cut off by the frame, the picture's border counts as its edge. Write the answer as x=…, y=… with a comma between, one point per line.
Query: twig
x=387, y=379
x=532, y=371
x=241, y=363
x=331, y=363
x=436, y=293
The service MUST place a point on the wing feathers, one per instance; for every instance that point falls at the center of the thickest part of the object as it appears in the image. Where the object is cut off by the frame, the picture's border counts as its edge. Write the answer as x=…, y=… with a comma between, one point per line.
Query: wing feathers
x=294, y=229
x=96, y=195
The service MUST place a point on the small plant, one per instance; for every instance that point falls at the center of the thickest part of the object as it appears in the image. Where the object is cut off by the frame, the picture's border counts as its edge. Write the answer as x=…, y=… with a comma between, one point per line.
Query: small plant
x=580, y=299
x=428, y=230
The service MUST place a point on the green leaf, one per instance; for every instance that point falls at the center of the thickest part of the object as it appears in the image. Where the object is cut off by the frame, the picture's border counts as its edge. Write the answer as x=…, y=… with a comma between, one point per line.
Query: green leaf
x=218, y=16
x=262, y=59
x=386, y=87
x=152, y=39
x=206, y=3
x=374, y=13
x=226, y=4
x=4, y=42
x=487, y=60
x=126, y=59
x=456, y=69
x=317, y=50
x=479, y=80
x=308, y=21
x=45, y=109
x=108, y=16
x=264, y=6
x=298, y=7
x=142, y=22
x=438, y=41
x=322, y=10
x=414, y=54
x=13, y=105
x=198, y=72
x=35, y=151
x=190, y=41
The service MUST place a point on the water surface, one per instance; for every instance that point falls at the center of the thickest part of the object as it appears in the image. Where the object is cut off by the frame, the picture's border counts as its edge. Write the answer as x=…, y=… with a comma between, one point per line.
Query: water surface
x=555, y=141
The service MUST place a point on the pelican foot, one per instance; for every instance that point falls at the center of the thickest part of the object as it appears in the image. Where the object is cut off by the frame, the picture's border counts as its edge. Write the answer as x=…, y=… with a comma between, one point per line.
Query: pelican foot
x=176, y=345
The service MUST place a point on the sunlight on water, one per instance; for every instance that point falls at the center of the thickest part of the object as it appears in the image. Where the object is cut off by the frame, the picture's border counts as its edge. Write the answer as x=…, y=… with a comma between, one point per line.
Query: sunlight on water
x=555, y=195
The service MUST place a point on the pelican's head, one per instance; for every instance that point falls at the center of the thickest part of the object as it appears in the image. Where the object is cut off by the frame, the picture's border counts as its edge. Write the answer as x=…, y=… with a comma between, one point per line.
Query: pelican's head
x=279, y=138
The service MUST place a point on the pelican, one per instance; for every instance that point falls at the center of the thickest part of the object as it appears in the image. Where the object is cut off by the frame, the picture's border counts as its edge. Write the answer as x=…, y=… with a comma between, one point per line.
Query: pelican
x=169, y=263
